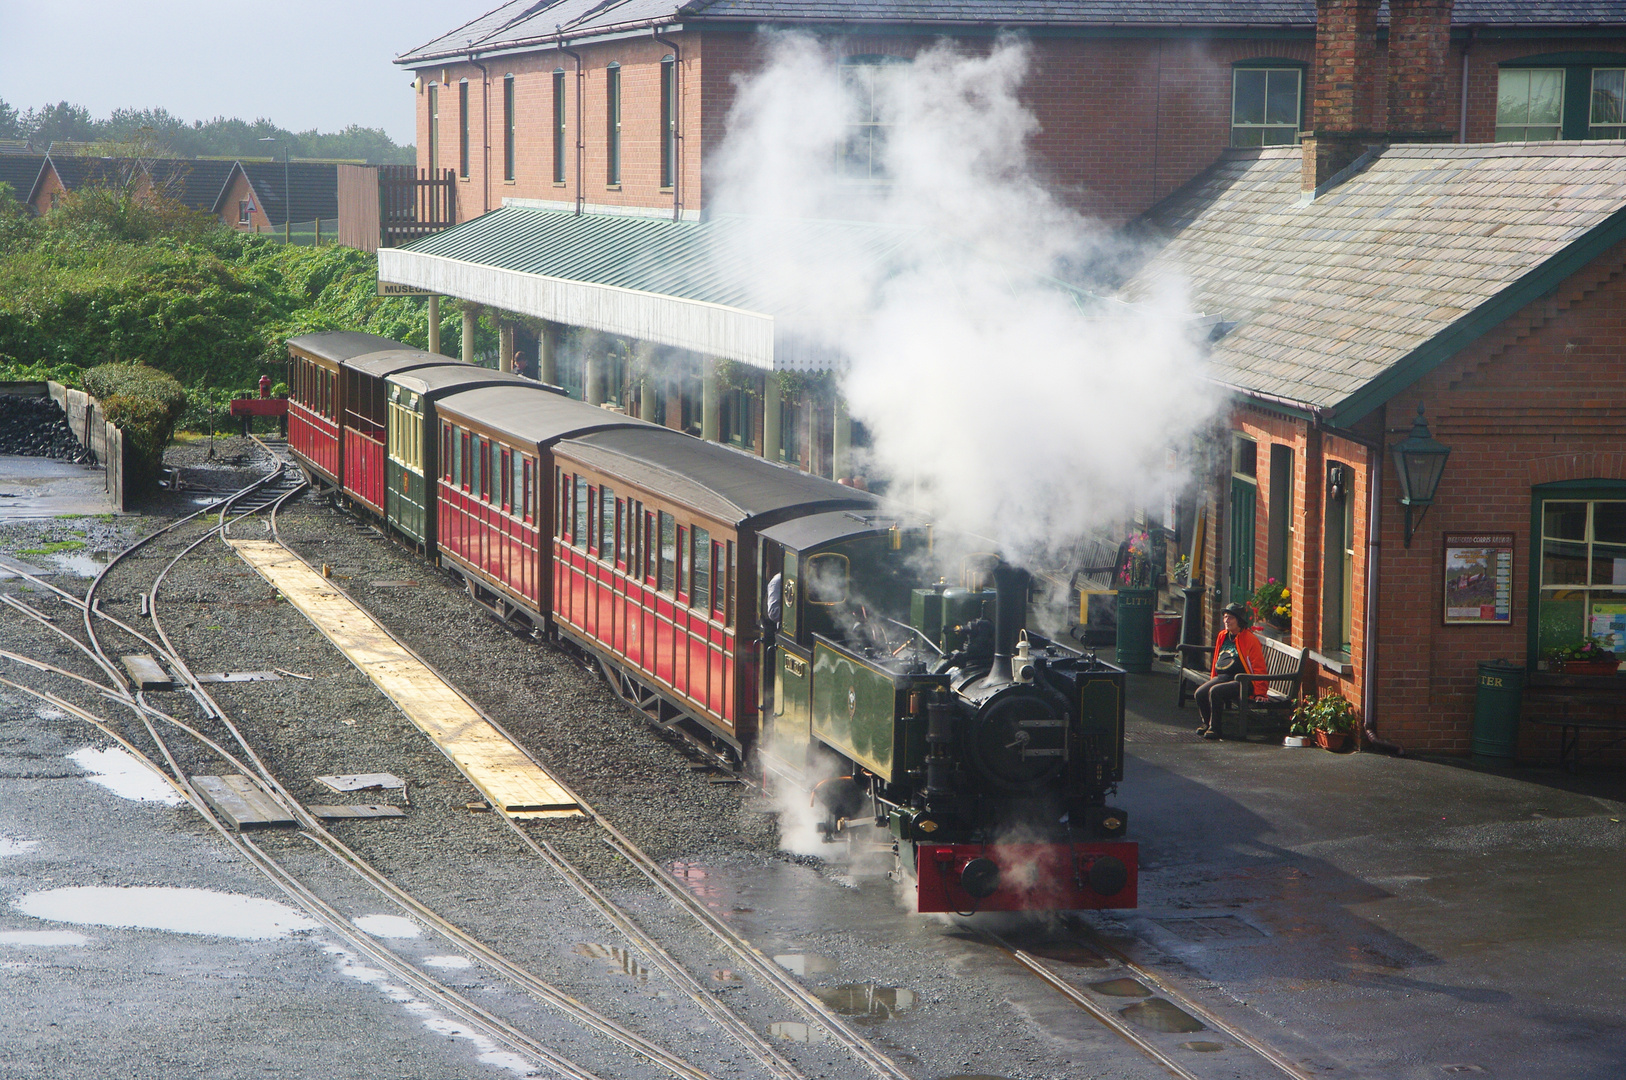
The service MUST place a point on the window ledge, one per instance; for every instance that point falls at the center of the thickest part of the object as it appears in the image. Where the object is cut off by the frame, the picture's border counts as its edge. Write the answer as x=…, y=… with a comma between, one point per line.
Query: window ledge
x=667, y=190
x=1340, y=666
x=612, y=187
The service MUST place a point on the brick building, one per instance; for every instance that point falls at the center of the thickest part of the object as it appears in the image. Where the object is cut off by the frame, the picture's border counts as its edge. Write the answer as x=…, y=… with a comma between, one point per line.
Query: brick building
x=257, y=195
x=1357, y=280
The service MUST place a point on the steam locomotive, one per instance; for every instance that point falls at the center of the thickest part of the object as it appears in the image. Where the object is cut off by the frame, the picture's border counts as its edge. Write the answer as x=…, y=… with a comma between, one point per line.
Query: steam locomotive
x=903, y=702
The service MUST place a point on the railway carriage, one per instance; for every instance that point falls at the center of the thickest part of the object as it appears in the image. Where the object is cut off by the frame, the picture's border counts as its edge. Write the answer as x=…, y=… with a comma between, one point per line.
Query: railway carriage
x=490, y=508
x=316, y=395
x=365, y=409
x=414, y=443
x=654, y=566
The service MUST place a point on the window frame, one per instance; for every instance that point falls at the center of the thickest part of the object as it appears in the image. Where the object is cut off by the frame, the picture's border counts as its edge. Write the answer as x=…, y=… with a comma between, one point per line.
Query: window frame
x=1268, y=65
x=1579, y=72
x=463, y=129
x=612, y=125
x=433, y=107
x=560, y=129
x=1591, y=492
x=669, y=106
x=871, y=126
x=508, y=128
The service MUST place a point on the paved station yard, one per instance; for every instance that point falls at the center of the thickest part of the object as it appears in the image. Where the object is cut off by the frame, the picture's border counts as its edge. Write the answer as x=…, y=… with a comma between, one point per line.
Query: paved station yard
x=1410, y=917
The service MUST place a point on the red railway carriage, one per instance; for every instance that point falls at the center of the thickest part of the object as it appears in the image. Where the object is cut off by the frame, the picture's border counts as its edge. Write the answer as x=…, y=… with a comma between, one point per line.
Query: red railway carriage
x=316, y=395
x=365, y=414
x=654, y=554
x=491, y=509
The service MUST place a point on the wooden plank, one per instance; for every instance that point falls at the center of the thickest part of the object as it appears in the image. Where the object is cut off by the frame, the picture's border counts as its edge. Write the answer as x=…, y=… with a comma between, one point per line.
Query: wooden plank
x=241, y=802
x=356, y=810
x=237, y=676
x=146, y=673
x=502, y=772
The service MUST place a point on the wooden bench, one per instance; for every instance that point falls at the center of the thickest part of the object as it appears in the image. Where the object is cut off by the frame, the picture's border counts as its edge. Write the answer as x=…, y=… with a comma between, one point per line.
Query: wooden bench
x=1284, y=677
x=1569, y=735
x=1573, y=704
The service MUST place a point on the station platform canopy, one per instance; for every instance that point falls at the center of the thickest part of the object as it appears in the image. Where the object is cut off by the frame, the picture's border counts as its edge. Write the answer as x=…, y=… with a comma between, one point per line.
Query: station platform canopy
x=729, y=286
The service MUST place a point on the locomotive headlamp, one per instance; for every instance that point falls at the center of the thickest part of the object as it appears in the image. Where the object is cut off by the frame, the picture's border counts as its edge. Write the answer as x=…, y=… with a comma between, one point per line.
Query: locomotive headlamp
x=980, y=878
x=1419, y=460
x=1022, y=662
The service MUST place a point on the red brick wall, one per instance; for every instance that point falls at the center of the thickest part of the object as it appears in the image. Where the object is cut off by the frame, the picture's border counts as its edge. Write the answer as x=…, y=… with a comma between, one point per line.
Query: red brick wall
x=239, y=191
x=640, y=61
x=49, y=185
x=1543, y=398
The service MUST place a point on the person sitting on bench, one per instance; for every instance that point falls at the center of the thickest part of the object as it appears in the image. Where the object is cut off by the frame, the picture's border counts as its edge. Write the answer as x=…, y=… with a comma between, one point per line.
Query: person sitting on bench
x=1236, y=651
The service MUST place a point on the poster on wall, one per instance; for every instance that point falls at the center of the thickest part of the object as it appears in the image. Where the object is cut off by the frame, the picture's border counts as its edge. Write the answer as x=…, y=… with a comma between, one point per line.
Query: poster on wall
x=1608, y=622
x=1479, y=578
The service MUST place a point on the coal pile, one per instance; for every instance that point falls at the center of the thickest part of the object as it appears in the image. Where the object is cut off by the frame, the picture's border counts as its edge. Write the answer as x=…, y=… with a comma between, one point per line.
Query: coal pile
x=37, y=427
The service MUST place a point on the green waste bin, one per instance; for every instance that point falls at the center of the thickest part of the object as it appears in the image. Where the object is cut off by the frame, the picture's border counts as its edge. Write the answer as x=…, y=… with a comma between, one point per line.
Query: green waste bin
x=1135, y=607
x=1496, y=712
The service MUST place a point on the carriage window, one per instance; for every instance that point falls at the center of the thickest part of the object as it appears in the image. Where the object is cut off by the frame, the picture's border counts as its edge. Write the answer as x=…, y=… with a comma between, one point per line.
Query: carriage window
x=578, y=520
x=702, y=569
x=446, y=452
x=606, y=523
x=525, y=491
x=477, y=481
x=826, y=577
x=623, y=512
x=684, y=560
x=646, y=557
x=719, y=577
x=563, y=512
x=732, y=574
x=463, y=460
x=668, y=568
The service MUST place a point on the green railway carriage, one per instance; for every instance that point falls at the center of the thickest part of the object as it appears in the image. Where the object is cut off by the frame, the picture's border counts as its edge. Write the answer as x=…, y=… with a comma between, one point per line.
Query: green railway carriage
x=409, y=496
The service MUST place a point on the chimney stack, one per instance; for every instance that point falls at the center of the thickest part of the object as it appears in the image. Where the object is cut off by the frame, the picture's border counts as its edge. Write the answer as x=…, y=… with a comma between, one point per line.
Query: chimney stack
x=1351, y=113
x=1419, y=41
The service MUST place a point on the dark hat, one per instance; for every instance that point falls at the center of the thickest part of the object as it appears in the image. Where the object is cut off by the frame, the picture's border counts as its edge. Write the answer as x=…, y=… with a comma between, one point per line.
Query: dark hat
x=1238, y=610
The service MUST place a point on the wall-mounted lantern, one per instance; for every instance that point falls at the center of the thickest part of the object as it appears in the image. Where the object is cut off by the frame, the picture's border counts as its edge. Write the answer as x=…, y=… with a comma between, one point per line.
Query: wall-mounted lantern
x=1419, y=459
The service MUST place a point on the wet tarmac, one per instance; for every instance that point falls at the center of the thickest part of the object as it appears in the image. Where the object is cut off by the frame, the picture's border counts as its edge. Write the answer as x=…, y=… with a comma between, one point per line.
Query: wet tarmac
x=33, y=487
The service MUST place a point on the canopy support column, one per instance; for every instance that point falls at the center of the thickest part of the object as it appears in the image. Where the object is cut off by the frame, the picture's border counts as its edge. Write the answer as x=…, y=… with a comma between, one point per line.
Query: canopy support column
x=770, y=416
x=711, y=401
x=434, y=323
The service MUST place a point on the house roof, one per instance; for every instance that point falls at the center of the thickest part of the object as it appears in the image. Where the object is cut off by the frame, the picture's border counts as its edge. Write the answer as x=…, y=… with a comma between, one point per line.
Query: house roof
x=197, y=183
x=20, y=171
x=1338, y=303
x=311, y=186
x=531, y=23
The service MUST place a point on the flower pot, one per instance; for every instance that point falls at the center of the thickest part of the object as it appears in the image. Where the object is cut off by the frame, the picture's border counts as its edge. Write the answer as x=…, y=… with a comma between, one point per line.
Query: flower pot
x=1590, y=667
x=1331, y=740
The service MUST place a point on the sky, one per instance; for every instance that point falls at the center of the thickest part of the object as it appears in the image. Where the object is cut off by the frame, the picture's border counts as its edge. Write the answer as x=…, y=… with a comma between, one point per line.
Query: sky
x=303, y=64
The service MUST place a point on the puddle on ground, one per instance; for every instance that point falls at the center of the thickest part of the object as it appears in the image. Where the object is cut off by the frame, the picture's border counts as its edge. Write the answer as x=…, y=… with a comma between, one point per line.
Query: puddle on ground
x=85, y=564
x=1202, y=1047
x=15, y=847
x=1159, y=1015
x=867, y=1000
x=791, y=1031
x=23, y=939
x=184, y=911
x=487, y=1052
x=804, y=964
x=448, y=963
x=621, y=959
x=125, y=776
x=386, y=926
x=1077, y=955
x=702, y=882
x=1121, y=988
x=1211, y=928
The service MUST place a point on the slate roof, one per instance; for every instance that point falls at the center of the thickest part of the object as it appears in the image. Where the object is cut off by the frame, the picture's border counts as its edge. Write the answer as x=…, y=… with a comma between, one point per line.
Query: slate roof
x=312, y=186
x=1341, y=302
x=530, y=23
x=20, y=171
x=196, y=183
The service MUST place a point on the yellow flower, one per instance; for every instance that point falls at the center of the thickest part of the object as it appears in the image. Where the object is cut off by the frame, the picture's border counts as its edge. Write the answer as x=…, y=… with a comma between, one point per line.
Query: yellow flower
x=1286, y=593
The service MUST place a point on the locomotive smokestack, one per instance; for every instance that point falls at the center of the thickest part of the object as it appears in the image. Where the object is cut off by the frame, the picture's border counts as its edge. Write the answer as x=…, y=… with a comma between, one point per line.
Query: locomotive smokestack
x=1010, y=618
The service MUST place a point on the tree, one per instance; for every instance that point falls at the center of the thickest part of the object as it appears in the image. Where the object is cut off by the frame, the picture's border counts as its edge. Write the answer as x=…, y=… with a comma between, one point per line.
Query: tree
x=60, y=122
x=11, y=122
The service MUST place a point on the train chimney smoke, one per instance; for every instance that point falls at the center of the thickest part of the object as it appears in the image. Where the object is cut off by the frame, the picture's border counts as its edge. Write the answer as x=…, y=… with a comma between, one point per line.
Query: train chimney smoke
x=1011, y=585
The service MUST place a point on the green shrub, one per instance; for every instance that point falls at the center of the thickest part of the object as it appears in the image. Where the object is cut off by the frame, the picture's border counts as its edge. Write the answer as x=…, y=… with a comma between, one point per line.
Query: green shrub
x=144, y=404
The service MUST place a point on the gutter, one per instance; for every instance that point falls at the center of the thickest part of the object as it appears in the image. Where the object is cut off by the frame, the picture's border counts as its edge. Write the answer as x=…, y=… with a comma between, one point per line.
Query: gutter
x=485, y=135
x=1467, y=47
x=581, y=136
x=677, y=124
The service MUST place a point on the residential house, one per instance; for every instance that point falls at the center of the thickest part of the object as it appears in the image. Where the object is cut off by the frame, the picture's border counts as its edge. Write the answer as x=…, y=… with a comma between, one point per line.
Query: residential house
x=262, y=195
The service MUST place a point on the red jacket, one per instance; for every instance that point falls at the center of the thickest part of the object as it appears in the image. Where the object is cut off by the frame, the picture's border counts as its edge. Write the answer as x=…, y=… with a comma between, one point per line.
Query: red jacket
x=1251, y=652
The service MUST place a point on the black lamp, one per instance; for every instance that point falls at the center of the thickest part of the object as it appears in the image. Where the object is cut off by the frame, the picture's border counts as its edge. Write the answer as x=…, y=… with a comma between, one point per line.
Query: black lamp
x=1419, y=460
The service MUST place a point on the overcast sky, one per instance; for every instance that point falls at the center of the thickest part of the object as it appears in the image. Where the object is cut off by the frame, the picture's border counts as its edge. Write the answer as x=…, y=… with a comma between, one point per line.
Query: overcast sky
x=299, y=63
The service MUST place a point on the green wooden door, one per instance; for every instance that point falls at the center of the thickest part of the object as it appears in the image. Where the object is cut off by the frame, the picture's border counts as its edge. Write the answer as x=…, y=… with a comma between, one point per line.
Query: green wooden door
x=1244, y=495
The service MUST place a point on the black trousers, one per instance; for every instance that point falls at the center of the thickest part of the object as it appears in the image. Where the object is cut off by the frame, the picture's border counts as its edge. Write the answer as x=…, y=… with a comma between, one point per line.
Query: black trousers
x=1214, y=694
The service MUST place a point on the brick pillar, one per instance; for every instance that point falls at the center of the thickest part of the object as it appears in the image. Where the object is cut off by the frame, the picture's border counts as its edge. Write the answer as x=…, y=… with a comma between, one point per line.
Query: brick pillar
x=1419, y=46
x=1346, y=88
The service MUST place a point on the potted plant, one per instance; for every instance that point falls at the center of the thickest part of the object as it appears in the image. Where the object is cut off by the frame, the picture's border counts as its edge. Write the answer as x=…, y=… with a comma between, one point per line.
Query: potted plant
x=1331, y=718
x=1299, y=733
x=1589, y=656
x=1274, y=602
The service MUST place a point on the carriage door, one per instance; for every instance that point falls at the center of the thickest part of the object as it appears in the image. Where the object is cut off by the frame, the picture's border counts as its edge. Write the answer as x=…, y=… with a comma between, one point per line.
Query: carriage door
x=1244, y=499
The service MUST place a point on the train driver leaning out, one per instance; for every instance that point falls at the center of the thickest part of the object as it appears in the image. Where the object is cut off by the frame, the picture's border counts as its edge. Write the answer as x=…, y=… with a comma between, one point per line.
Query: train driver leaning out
x=1236, y=651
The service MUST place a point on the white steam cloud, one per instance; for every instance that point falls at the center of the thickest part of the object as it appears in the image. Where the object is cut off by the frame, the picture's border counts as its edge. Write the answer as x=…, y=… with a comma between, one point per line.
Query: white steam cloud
x=1001, y=398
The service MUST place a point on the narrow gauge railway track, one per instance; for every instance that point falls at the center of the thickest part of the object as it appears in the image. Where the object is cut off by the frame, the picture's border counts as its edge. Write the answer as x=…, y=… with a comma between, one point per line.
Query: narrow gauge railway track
x=271, y=492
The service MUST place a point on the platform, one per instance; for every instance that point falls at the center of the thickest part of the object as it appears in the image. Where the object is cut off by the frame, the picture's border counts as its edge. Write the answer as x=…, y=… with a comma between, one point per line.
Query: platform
x=513, y=783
